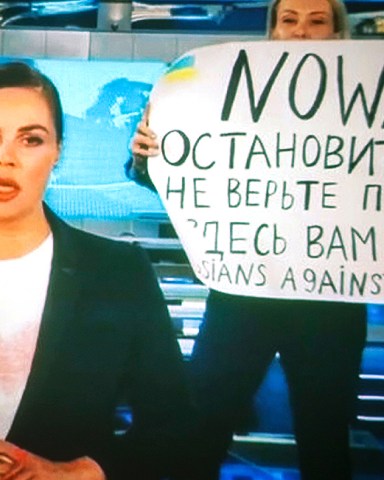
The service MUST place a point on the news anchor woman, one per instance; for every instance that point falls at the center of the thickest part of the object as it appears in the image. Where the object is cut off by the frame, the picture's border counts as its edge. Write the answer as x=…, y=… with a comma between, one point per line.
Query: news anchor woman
x=319, y=343
x=83, y=324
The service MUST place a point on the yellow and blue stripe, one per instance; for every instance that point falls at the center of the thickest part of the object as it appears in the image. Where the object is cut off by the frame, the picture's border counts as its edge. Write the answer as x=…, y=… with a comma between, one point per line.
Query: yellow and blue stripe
x=182, y=69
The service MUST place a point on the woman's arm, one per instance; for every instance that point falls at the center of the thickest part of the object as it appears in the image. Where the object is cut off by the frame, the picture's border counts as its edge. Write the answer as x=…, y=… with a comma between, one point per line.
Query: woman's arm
x=144, y=145
x=161, y=439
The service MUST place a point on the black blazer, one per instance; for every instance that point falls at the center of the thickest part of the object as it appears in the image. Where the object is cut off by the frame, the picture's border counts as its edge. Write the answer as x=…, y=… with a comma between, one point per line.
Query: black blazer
x=105, y=338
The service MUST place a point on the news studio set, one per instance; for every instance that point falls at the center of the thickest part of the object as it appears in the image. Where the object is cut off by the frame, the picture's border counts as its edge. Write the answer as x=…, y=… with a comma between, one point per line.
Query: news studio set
x=105, y=57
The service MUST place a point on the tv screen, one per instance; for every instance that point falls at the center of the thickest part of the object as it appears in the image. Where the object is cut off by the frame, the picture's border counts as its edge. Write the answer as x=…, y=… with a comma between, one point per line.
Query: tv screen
x=102, y=101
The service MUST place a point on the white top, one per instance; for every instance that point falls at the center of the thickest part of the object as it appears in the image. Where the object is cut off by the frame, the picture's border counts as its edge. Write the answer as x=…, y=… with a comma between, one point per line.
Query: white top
x=23, y=290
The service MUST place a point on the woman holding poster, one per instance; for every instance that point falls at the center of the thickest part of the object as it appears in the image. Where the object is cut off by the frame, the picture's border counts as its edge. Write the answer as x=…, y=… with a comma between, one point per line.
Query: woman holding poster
x=319, y=343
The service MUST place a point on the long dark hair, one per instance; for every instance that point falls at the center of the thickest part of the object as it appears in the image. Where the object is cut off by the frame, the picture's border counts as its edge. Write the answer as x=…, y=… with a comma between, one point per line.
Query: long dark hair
x=20, y=74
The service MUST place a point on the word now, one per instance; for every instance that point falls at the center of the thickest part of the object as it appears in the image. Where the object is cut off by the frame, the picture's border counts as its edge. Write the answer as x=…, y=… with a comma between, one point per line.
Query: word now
x=345, y=106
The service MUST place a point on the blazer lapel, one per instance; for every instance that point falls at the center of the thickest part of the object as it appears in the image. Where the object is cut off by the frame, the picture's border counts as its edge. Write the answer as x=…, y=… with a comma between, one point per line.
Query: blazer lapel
x=63, y=291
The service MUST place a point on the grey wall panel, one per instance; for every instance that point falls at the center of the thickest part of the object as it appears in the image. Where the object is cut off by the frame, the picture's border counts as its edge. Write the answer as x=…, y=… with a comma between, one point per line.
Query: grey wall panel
x=155, y=46
x=114, y=45
x=24, y=43
x=61, y=43
x=188, y=42
x=106, y=45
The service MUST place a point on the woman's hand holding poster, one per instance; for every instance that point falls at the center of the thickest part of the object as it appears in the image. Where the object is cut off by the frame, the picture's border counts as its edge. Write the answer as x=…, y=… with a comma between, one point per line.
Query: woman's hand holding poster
x=272, y=166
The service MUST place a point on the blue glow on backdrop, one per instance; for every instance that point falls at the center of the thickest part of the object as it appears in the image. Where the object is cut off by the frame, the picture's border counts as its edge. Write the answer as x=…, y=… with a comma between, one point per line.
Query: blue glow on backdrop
x=103, y=102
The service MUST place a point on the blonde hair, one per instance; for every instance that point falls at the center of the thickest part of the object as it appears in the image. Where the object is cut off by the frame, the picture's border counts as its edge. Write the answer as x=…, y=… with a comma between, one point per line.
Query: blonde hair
x=340, y=18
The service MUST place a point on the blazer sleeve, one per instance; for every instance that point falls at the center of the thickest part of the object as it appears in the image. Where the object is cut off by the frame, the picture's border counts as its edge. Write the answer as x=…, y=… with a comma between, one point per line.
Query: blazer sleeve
x=161, y=440
x=138, y=175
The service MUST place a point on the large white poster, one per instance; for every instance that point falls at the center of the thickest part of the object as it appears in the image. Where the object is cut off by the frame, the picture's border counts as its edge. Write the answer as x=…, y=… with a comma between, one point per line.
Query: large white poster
x=272, y=166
